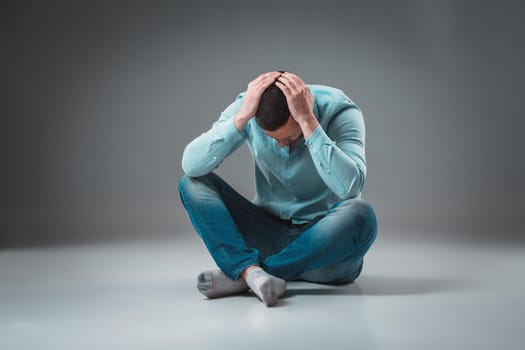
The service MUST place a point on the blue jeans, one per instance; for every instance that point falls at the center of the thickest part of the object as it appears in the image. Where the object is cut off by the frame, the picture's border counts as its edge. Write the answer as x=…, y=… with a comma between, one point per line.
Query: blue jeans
x=238, y=234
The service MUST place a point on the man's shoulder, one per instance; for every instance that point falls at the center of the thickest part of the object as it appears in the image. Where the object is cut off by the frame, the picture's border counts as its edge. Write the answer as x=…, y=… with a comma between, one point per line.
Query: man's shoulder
x=330, y=99
x=325, y=90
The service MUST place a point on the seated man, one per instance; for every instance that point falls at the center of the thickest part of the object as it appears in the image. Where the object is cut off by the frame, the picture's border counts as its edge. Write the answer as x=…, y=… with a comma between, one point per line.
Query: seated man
x=307, y=220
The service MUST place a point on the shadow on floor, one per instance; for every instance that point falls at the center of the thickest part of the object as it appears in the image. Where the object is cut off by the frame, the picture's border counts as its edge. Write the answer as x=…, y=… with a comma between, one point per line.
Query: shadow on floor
x=379, y=285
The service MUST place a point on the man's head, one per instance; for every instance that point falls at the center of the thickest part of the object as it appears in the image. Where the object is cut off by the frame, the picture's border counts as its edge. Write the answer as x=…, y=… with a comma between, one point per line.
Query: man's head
x=273, y=111
x=273, y=116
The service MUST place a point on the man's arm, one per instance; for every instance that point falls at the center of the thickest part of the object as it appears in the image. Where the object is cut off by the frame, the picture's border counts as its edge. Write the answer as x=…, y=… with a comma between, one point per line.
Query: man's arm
x=208, y=150
x=340, y=161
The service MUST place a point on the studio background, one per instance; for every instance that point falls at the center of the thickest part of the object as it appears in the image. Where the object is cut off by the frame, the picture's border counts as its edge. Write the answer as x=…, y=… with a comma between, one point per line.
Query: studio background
x=100, y=98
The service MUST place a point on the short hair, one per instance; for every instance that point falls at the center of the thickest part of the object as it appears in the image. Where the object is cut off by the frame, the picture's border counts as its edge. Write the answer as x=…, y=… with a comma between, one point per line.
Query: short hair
x=273, y=111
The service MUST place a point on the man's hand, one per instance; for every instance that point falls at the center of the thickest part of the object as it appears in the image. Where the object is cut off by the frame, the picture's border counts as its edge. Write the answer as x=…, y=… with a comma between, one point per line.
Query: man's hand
x=300, y=101
x=252, y=98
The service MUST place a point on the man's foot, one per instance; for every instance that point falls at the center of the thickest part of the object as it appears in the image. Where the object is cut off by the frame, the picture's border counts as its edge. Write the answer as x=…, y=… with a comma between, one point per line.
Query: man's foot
x=267, y=287
x=215, y=284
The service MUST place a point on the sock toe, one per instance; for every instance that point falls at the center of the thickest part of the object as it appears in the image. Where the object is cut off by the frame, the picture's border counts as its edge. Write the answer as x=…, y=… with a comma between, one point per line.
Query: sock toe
x=268, y=292
x=204, y=283
x=280, y=287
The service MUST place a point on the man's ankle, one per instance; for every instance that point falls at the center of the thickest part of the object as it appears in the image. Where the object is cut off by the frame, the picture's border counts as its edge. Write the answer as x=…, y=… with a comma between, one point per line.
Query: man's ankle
x=244, y=274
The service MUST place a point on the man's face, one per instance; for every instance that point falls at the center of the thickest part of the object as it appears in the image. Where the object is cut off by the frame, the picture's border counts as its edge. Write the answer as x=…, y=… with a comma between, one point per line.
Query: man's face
x=286, y=134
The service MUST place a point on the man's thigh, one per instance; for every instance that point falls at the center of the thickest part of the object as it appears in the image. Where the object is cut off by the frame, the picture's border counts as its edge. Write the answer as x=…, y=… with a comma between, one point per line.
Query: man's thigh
x=259, y=229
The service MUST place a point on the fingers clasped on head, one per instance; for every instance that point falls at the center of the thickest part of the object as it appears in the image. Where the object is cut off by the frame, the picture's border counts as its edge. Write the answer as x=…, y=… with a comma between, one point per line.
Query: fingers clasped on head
x=289, y=82
x=286, y=81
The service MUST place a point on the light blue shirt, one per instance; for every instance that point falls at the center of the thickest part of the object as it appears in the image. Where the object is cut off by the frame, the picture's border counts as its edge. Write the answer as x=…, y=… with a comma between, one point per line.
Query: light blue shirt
x=303, y=184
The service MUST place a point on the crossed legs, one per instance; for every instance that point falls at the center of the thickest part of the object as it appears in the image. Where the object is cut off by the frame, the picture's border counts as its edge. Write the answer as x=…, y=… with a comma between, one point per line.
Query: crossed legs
x=238, y=234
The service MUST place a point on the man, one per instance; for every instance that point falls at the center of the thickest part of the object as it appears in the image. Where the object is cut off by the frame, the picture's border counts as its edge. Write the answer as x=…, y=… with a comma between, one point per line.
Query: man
x=307, y=220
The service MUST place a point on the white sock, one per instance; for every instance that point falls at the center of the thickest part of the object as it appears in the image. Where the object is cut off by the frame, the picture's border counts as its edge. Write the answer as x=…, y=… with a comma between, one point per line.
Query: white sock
x=267, y=287
x=215, y=284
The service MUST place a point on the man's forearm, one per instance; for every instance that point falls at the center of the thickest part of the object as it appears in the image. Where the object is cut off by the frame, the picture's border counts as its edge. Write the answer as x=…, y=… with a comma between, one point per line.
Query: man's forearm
x=240, y=120
x=207, y=151
x=343, y=172
x=307, y=125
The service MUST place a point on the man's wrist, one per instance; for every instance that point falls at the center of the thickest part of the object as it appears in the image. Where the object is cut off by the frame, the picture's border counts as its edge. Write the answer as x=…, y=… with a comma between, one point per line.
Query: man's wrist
x=308, y=125
x=240, y=120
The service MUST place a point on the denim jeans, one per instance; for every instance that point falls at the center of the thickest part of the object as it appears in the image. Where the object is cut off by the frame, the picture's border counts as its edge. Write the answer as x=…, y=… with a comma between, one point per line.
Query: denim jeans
x=237, y=233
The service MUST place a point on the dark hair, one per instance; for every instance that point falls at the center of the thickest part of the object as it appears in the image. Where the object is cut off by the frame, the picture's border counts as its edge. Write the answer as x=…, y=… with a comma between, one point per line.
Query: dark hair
x=273, y=111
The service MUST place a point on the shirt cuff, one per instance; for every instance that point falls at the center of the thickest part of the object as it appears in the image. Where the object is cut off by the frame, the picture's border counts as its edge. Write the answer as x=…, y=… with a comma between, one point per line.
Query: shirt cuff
x=317, y=140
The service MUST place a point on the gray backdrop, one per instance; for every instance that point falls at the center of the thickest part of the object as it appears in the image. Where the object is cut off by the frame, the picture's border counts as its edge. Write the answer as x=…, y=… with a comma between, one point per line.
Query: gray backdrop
x=99, y=99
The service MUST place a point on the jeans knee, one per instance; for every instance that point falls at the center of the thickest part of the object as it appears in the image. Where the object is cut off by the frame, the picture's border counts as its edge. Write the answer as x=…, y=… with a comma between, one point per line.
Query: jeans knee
x=185, y=183
x=198, y=189
x=182, y=182
x=363, y=217
x=189, y=186
x=183, y=186
x=363, y=208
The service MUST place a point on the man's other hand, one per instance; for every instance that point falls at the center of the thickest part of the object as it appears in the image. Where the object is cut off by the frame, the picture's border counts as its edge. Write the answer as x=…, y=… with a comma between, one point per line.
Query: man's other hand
x=300, y=101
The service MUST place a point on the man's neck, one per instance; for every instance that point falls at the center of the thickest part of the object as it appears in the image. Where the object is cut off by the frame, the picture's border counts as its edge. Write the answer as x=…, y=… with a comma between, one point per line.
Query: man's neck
x=294, y=144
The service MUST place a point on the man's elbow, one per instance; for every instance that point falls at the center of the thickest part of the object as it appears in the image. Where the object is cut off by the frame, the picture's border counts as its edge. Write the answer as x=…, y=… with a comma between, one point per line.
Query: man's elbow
x=190, y=172
x=189, y=166
x=348, y=195
x=354, y=188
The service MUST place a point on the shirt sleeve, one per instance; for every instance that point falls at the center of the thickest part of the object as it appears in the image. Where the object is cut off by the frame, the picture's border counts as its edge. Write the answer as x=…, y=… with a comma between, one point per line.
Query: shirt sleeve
x=340, y=157
x=207, y=151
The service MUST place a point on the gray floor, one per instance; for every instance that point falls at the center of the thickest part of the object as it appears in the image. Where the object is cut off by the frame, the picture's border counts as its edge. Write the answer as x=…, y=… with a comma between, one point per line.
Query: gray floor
x=142, y=295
